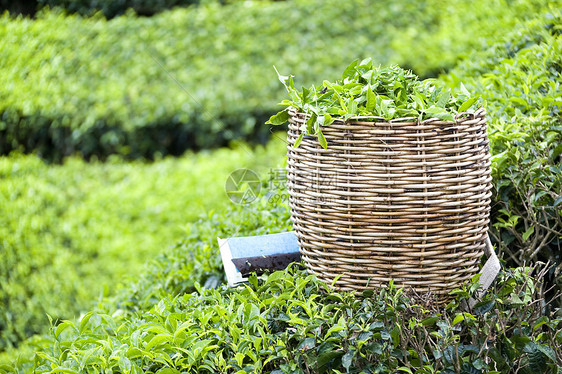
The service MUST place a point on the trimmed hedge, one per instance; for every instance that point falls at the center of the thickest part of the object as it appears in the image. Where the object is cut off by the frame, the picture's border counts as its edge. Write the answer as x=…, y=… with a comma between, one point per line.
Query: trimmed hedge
x=94, y=87
x=519, y=76
x=180, y=319
x=72, y=233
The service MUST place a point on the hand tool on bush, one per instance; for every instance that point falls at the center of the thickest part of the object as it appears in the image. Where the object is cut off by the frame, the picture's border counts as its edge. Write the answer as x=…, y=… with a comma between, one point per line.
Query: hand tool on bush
x=259, y=254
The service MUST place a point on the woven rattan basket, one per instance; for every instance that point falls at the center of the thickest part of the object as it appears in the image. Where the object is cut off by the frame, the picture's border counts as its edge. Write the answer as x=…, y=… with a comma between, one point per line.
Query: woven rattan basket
x=397, y=200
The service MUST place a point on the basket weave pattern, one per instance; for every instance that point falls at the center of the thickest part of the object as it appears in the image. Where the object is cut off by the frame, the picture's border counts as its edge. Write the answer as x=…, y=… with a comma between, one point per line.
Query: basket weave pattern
x=394, y=200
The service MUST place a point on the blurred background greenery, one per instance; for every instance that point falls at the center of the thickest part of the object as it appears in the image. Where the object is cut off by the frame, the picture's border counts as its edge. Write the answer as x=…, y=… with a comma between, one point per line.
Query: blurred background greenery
x=91, y=115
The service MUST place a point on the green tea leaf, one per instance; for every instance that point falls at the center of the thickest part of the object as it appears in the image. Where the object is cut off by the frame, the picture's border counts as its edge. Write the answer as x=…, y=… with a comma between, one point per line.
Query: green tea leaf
x=405, y=369
x=64, y=370
x=352, y=107
x=125, y=364
x=528, y=233
x=458, y=318
x=306, y=344
x=61, y=327
x=444, y=98
x=328, y=357
x=350, y=70
x=371, y=101
x=440, y=113
x=84, y=321
x=279, y=118
x=310, y=123
x=429, y=321
x=322, y=140
x=547, y=351
x=467, y=104
x=464, y=90
x=298, y=141
x=328, y=120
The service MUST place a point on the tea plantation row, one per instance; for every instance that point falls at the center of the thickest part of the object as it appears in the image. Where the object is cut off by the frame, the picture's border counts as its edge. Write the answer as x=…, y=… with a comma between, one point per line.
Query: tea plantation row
x=180, y=318
x=109, y=8
x=520, y=77
x=97, y=87
x=70, y=234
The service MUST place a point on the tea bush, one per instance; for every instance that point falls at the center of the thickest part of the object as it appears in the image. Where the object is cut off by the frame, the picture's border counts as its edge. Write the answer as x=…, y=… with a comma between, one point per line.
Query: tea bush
x=69, y=234
x=96, y=87
x=195, y=259
x=112, y=8
x=181, y=319
x=519, y=76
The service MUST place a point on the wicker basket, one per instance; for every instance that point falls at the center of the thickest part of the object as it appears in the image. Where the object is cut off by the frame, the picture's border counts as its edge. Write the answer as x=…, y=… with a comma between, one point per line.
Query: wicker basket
x=401, y=200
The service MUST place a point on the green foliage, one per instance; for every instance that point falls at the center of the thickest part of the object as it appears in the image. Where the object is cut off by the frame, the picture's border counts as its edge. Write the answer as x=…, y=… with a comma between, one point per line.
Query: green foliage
x=181, y=318
x=288, y=322
x=459, y=33
x=71, y=233
x=96, y=87
x=374, y=92
x=195, y=260
x=520, y=77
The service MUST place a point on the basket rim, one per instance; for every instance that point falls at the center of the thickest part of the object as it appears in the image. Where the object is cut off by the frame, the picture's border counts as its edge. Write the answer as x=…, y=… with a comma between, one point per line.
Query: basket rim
x=480, y=112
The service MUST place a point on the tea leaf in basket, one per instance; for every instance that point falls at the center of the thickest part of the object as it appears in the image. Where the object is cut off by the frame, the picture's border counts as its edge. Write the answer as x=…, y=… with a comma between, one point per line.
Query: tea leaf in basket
x=322, y=140
x=366, y=90
x=440, y=113
x=310, y=123
x=279, y=118
x=371, y=100
x=299, y=140
x=444, y=98
x=467, y=104
x=328, y=120
x=350, y=70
